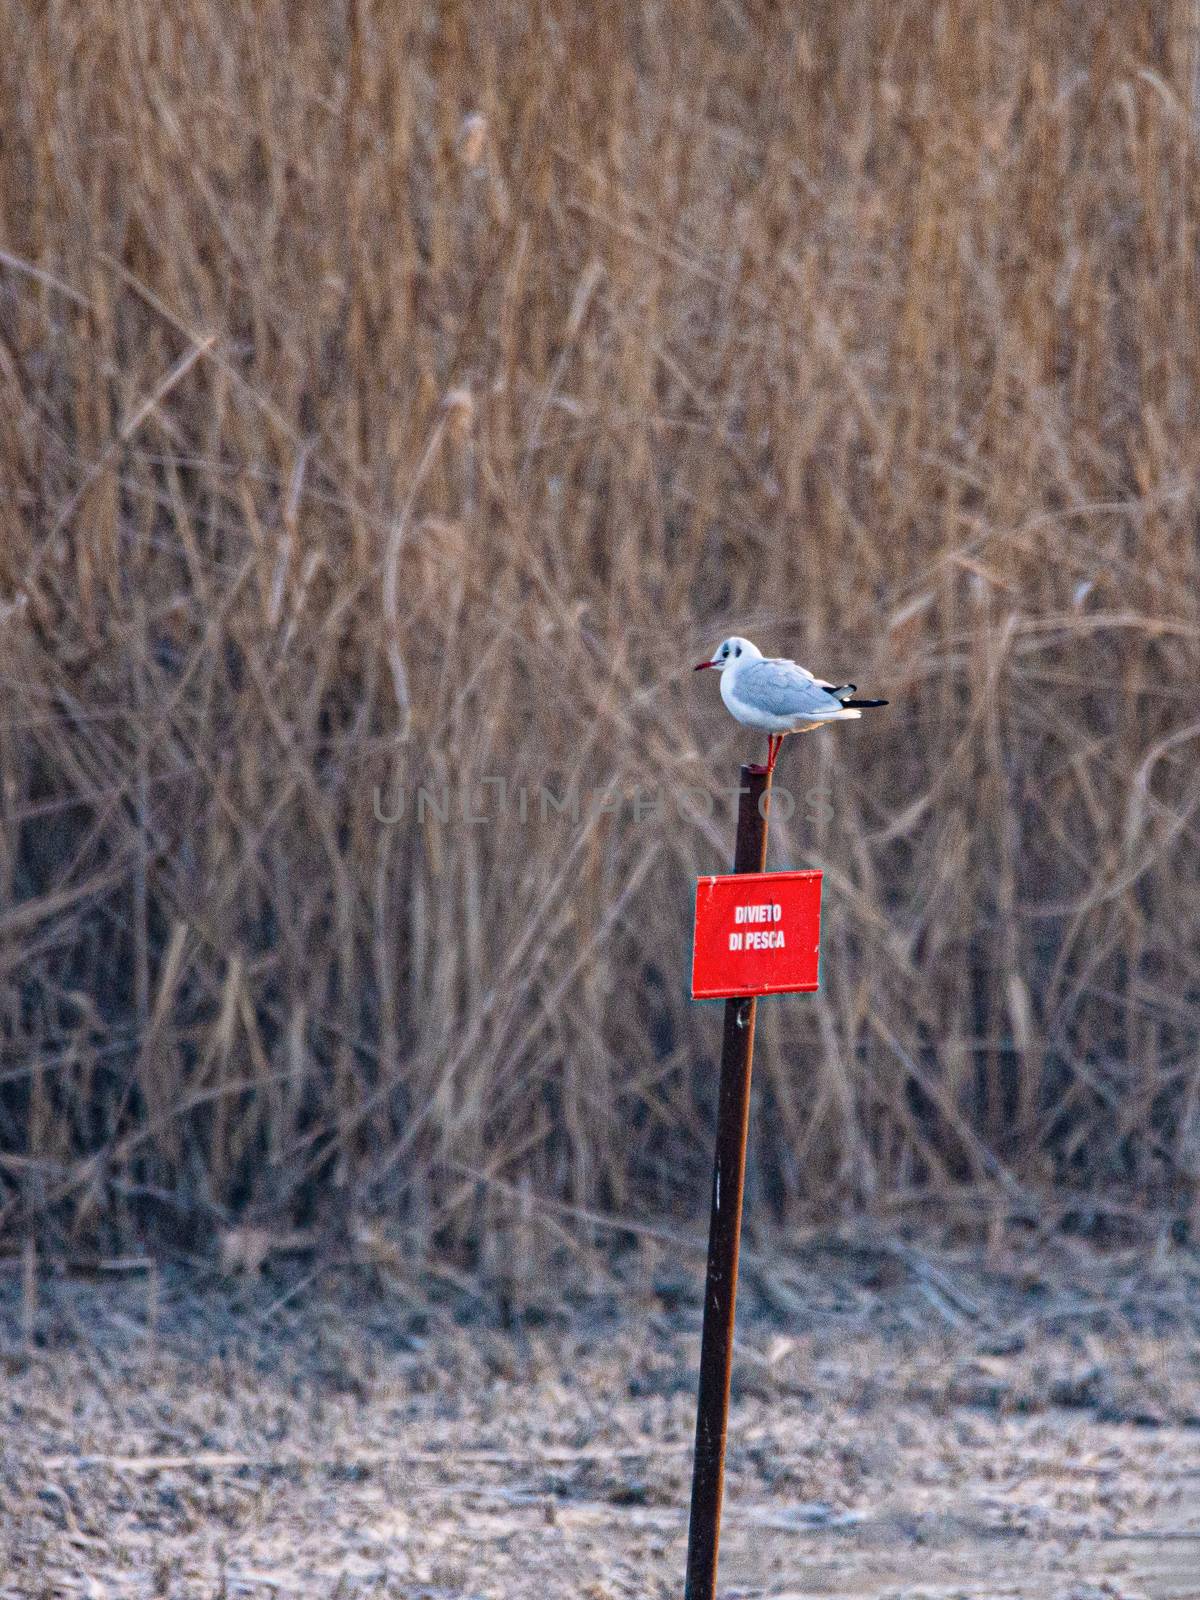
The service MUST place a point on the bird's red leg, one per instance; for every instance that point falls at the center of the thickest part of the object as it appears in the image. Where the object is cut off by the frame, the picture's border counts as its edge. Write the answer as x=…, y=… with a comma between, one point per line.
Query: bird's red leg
x=774, y=744
x=757, y=766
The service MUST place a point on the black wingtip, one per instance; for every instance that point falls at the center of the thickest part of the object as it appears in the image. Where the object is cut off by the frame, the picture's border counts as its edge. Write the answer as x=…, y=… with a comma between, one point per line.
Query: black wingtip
x=864, y=704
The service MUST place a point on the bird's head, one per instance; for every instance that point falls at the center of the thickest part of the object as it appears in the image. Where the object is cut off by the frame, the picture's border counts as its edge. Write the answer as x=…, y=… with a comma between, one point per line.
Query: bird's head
x=730, y=651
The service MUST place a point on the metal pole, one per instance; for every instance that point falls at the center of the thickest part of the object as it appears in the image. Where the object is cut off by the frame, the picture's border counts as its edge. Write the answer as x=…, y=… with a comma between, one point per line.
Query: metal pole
x=724, y=1230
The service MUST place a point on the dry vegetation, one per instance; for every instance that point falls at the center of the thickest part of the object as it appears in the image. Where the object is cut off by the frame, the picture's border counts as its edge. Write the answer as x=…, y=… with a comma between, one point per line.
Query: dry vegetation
x=393, y=394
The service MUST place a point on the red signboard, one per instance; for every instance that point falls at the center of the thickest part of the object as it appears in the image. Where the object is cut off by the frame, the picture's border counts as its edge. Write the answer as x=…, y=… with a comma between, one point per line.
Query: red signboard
x=756, y=933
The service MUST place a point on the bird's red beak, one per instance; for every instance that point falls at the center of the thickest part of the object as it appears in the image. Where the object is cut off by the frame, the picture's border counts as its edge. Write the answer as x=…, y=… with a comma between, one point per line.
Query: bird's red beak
x=700, y=665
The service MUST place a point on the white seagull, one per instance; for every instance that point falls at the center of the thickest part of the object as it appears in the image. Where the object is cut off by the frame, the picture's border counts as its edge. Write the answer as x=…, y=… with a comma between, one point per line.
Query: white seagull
x=778, y=696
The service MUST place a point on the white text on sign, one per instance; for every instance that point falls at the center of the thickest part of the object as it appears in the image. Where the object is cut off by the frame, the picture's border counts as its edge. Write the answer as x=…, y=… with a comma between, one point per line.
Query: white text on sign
x=771, y=912
x=758, y=938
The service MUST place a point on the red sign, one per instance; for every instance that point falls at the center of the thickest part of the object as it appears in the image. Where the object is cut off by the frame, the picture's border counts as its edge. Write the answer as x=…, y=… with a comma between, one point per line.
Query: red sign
x=756, y=933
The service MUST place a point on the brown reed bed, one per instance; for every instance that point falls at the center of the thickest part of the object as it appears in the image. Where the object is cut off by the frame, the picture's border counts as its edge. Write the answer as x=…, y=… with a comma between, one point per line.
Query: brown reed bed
x=401, y=396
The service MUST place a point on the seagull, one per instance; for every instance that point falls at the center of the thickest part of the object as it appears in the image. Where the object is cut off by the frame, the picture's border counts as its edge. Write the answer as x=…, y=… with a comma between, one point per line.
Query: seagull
x=776, y=695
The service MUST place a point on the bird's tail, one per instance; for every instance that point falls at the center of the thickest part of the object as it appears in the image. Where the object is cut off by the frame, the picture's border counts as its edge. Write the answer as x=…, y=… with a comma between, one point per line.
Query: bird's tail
x=843, y=691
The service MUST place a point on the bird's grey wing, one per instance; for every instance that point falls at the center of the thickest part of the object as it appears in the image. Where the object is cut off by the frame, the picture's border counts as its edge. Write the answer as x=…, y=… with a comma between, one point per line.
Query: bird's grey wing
x=782, y=689
x=783, y=661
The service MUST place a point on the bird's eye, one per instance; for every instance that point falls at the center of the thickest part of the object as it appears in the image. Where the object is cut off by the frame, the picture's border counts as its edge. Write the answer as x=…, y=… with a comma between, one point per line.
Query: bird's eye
x=724, y=649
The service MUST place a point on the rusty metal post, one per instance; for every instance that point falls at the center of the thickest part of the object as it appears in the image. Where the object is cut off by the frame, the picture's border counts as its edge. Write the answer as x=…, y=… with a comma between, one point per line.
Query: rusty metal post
x=724, y=1229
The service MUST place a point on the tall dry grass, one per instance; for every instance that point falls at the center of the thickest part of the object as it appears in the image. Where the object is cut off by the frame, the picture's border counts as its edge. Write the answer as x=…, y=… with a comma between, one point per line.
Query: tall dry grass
x=401, y=395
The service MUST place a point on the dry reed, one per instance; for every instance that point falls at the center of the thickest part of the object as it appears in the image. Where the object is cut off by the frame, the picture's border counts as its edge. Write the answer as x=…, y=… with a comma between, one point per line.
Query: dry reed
x=399, y=395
